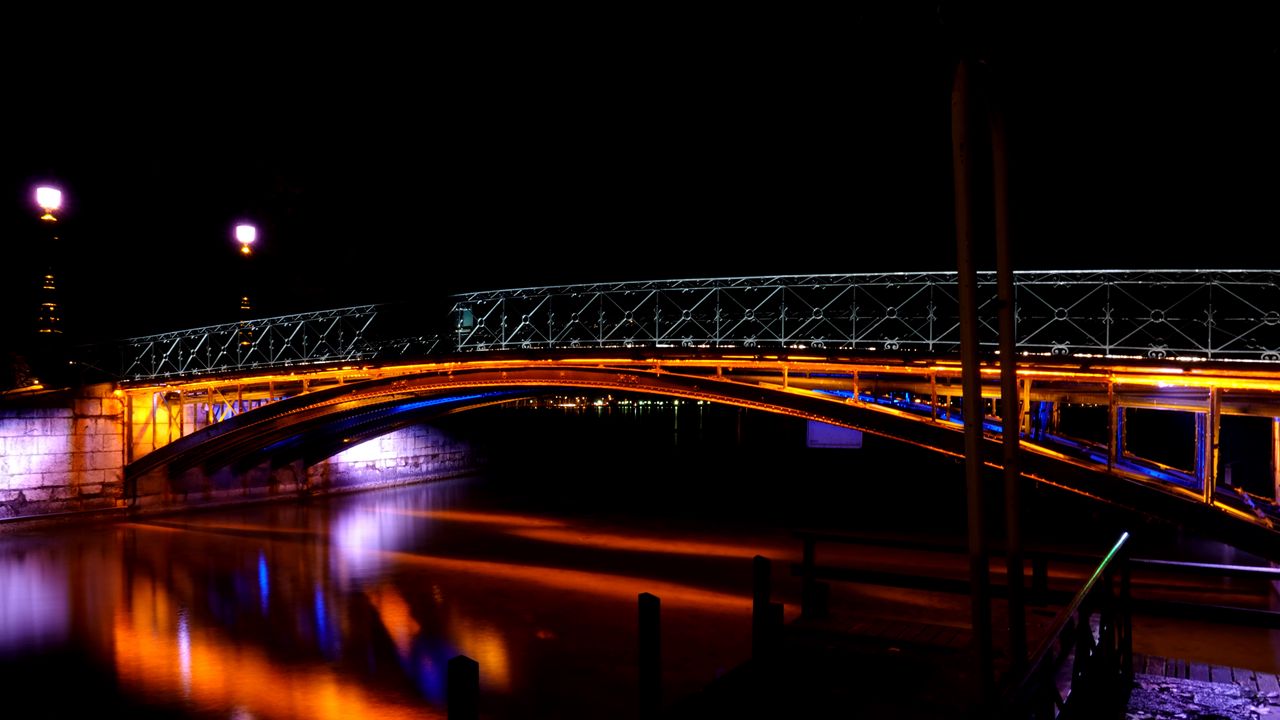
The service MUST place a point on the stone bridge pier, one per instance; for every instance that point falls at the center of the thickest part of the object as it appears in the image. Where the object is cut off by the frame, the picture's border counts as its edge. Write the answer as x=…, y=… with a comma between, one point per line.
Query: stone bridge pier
x=62, y=452
x=66, y=452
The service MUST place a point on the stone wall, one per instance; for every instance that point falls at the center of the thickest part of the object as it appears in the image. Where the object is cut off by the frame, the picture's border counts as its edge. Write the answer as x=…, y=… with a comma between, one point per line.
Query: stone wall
x=65, y=452
x=61, y=452
x=414, y=454
x=408, y=455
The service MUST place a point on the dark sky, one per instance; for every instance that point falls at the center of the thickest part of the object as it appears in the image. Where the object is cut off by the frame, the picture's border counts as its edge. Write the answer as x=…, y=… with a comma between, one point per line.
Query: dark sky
x=388, y=160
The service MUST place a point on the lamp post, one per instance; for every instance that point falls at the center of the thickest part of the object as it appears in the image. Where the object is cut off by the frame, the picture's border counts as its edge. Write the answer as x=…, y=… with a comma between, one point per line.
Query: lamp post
x=246, y=234
x=42, y=361
x=48, y=317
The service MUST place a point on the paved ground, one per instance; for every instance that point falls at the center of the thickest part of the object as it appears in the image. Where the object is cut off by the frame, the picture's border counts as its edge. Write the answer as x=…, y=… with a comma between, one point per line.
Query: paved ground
x=1158, y=697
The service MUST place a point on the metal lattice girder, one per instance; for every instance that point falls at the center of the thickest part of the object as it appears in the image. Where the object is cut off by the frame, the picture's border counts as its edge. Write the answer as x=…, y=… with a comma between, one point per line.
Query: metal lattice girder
x=1202, y=314
x=1211, y=314
x=316, y=337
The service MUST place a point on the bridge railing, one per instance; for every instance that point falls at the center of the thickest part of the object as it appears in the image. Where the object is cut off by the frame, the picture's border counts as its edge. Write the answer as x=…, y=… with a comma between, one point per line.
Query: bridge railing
x=1219, y=314
x=1084, y=666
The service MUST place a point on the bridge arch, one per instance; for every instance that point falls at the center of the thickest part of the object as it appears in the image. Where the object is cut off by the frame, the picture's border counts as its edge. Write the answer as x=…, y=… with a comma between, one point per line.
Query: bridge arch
x=305, y=429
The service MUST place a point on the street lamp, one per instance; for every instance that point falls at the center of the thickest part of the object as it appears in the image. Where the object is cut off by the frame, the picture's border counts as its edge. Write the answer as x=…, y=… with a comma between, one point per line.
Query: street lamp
x=245, y=234
x=50, y=200
x=48, y=319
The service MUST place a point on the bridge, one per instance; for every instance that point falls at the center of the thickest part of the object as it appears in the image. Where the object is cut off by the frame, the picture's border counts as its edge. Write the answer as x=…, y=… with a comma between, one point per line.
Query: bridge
x=1103, y=357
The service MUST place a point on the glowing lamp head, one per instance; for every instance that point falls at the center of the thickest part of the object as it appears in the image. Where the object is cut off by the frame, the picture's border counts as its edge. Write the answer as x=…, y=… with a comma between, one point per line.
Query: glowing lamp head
x=245, y=235
x=49, y=199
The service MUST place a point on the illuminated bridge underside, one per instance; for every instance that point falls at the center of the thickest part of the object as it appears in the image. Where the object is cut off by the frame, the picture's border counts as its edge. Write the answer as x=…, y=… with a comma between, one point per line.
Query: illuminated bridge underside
x=315, y=425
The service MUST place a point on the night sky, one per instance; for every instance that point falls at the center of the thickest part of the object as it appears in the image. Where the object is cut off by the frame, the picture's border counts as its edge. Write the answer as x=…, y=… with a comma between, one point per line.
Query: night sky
x=385, y=162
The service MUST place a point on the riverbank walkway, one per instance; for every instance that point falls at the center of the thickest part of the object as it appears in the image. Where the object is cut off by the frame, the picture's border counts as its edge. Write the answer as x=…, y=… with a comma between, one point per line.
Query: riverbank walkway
x=903, y=650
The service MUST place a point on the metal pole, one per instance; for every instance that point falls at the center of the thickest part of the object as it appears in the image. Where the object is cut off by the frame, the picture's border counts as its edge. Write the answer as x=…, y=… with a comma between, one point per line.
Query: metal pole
x=463, y=694
x=967, y=279
x=766, y=616
x=1010, y=405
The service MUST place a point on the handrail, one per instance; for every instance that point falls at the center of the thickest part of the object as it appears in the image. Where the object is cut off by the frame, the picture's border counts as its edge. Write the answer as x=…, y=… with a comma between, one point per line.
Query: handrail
x=1101, y=667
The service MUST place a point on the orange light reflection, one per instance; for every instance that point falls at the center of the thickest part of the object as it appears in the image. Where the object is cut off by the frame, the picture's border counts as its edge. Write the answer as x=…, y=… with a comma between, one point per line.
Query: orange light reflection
x=156, y=652
x=396, y=616
x=485, y=518
x=620, y=587
x=642, y=544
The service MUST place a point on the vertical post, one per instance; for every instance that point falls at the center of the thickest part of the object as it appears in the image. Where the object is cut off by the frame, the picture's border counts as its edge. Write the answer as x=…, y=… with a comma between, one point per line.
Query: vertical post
x=933, y=396
x=1211, y=446
x=155, y=401
x=1275, y=458
x=128, y=428
x=1122, y=441
x=1202, y=447
x=856, y=396
x=1113, y=425
x=1024, y=400
x=650, y=657
x=1012, y=418
x=463, y=688
x=980, y=595
x=766, y=616
x=761, y=582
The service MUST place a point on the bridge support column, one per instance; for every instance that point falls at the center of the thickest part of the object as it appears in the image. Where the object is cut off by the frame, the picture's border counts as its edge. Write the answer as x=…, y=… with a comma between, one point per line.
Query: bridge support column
x=933, y=396
x=1215, y=419
x=1117, y=434
x=1122, y=432
x=1207, y=426
x=1113, y=425
x=1275, y=458
x=1024, y=403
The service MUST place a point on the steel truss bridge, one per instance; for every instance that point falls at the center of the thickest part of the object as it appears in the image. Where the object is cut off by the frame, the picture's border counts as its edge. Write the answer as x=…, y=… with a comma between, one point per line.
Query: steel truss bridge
x=1160, y=314
x=872, y=352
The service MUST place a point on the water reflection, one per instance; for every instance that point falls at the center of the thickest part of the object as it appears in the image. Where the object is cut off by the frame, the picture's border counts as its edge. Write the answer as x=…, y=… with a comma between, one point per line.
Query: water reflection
x=34, y=599
x=353, y=606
